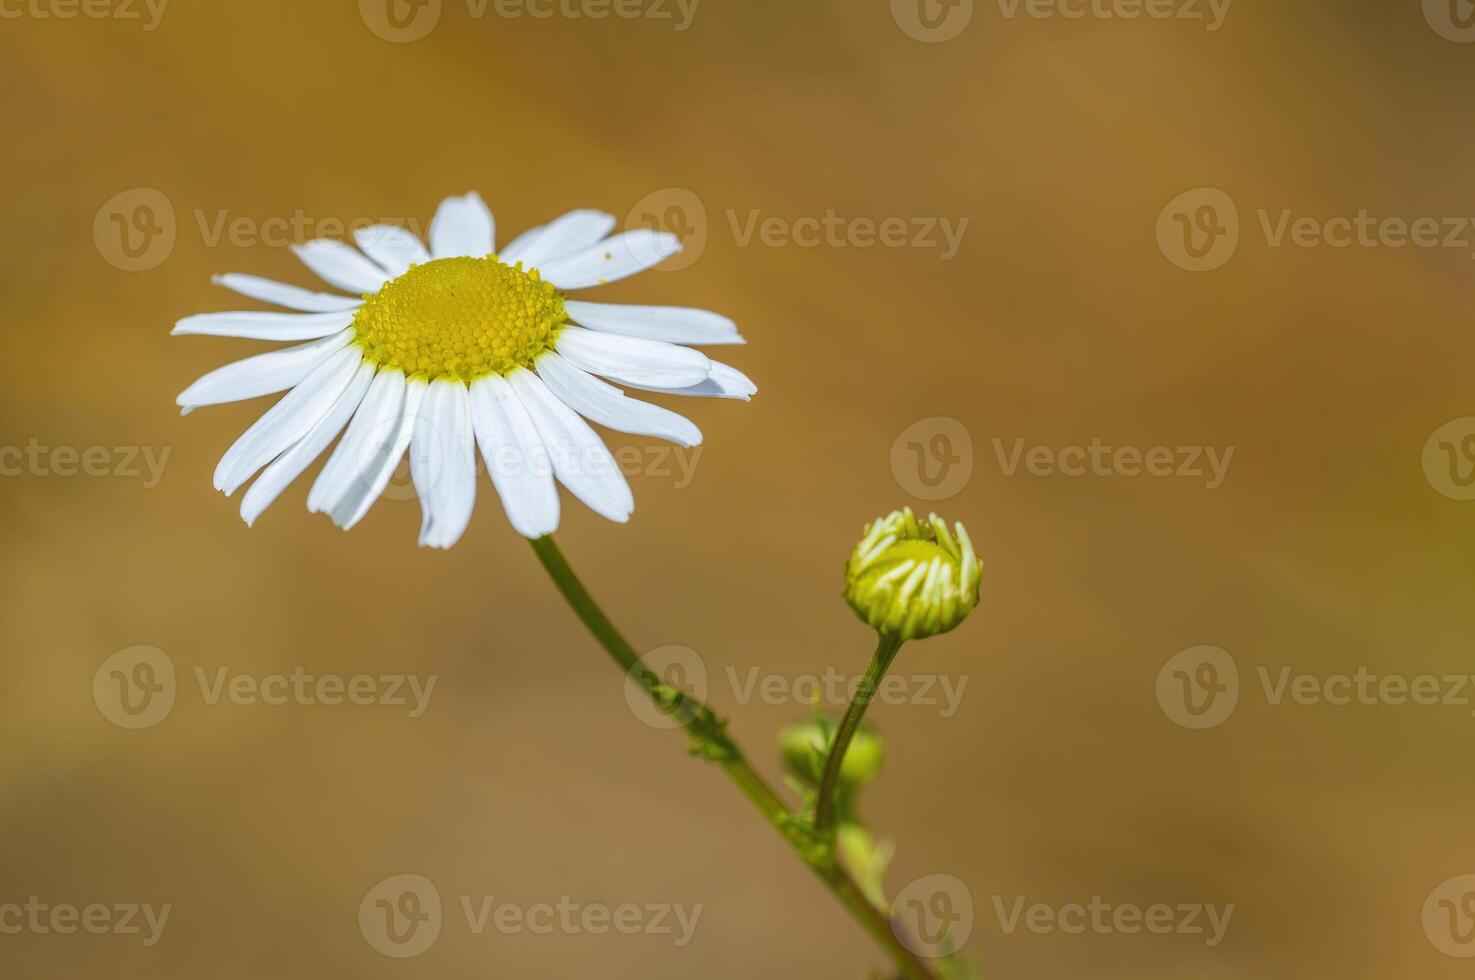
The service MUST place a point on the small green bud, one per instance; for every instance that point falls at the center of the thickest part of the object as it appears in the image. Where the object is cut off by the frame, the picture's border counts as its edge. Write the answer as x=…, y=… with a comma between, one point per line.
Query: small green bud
x=910, y=579
x=806, y=745
x=865, y=859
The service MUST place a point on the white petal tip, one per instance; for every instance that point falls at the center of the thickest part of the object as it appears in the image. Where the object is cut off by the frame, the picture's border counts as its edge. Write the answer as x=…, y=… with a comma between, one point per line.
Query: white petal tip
x=535, y=531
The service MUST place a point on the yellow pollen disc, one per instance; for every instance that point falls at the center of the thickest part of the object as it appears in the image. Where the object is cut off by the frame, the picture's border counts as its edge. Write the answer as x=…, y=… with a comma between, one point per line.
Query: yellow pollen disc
x=461, y=319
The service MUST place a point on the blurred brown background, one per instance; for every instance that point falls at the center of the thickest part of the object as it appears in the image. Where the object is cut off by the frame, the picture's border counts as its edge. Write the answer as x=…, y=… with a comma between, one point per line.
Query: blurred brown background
x=1061, y=776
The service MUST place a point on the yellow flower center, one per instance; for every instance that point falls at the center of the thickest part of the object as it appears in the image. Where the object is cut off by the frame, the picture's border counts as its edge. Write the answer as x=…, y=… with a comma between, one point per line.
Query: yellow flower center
x=461, y=319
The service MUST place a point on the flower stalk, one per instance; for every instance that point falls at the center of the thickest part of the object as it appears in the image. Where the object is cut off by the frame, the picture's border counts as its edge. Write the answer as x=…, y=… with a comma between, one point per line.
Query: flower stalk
x=824, y=811
x=711, y=741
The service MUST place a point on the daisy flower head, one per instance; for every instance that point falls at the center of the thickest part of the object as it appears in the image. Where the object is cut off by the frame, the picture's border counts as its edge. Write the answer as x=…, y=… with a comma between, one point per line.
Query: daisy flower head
x=453, y=347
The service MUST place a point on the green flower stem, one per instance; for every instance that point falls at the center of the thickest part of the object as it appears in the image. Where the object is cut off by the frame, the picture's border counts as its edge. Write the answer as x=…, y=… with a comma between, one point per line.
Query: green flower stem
x=710, y=740
x=824, y=809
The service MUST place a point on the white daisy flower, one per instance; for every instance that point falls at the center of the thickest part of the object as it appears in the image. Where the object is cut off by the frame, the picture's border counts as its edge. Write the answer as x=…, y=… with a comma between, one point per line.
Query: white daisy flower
x=457, y=346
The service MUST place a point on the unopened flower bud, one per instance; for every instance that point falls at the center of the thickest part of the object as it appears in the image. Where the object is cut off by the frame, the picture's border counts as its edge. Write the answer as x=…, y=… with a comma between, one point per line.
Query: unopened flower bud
x=909, y=579
x=805, y=747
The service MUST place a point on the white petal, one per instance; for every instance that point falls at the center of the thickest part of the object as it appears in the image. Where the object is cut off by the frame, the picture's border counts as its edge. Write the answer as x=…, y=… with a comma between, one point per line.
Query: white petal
x=341, y=265
x=292, y=297
x=393, y=247
x=378, y=459
x=724, y=382
x=608, y=406
x=265, y=326
x=380, y=404
x=263, y=374
x=463, y=226
x=518, y=247
x=580, y=459
x=612, y=259
x=635, y=361
x=289, y=466
x=516, y=457
x=443, y=463
x=287, y=421
x=673, y=324
x=573, y=232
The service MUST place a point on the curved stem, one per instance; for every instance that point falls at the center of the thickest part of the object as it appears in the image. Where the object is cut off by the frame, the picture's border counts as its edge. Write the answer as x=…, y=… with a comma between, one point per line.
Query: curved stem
x=710, y=740
x=824, y=810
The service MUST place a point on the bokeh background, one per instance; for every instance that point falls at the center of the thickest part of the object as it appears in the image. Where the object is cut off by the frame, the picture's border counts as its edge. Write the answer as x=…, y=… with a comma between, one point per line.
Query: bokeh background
x=1061, y=776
